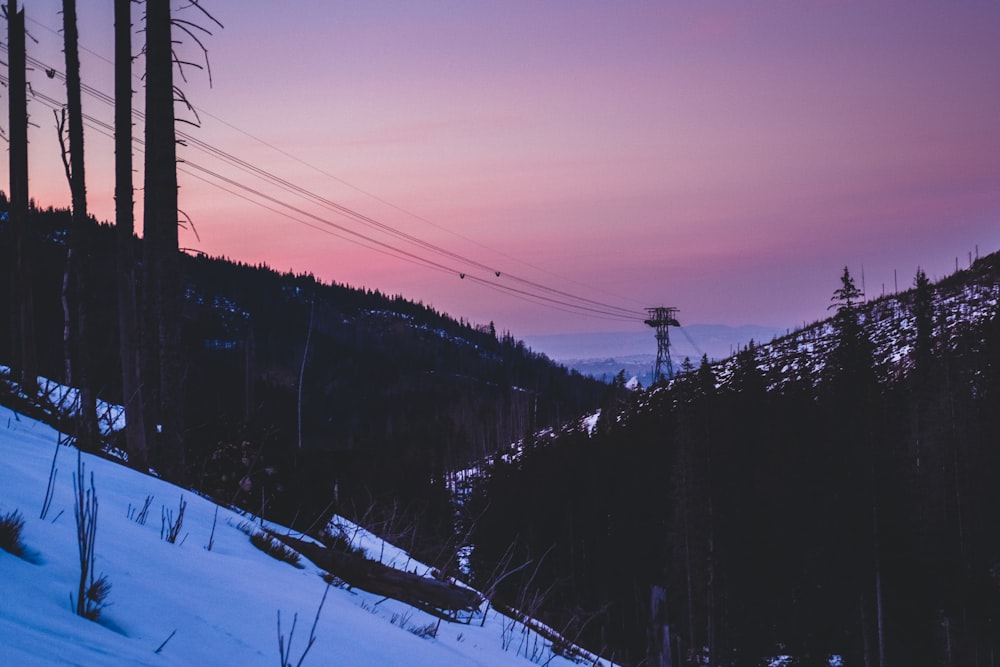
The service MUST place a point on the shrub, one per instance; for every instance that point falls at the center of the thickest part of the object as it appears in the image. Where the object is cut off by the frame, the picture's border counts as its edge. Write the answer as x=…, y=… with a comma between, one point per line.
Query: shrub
x=140, y=514
x=401, y=619
x=169, y=527
x=11, y=526
x=270, y=546
x=340, y=542
x=285, y=643
x=428, y=631
x=96, y=597
x=275, y=549
x=92, y=593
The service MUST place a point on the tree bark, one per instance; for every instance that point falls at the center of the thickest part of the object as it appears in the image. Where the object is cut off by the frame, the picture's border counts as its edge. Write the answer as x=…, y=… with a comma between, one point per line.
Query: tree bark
x=128, y=324
x=163, y=285
x=23, y=323
x=660, y=653
x=76, y=258
x=305, y=357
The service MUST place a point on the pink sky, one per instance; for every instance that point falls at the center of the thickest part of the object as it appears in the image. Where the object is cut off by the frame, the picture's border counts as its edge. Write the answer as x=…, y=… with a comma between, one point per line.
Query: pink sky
x=726, y=158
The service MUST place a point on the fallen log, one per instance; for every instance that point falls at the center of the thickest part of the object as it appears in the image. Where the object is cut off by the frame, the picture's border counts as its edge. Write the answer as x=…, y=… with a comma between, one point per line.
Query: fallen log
x=374, y=577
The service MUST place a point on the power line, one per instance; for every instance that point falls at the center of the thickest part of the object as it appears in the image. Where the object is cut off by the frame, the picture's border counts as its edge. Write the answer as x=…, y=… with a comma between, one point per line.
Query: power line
x=552, y=297
x=333, y=177
x=396, y=207
x=107, y=130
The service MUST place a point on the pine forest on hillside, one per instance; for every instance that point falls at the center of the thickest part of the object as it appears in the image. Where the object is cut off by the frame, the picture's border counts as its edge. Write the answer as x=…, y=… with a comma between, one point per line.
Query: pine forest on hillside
x=394, y=395
x=830, y=497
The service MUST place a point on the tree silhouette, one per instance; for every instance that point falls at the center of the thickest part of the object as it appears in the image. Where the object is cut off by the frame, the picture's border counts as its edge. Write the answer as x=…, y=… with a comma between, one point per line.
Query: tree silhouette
x=23, y=321
x=162, y=335
x=845, y=296
x=76, y=280
x=128, y=323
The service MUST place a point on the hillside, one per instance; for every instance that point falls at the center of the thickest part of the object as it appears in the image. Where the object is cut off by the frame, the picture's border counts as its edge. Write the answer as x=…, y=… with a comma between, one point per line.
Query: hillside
x=393, y=394
x=211, y=598
x=828, y=496
x=964, y=303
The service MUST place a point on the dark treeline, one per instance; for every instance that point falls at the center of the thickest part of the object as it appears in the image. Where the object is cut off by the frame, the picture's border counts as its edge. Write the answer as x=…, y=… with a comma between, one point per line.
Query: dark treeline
x=394, y=394
x=852, y=514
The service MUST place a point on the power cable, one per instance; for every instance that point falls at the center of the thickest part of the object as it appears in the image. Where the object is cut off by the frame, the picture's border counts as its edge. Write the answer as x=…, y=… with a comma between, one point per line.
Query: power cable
x=107, y=130
x=333, y=177
x=576, y=303
x=691, y=341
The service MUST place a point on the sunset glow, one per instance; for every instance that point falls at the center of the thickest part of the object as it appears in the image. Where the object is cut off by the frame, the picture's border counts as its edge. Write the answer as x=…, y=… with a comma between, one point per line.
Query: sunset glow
x=726, y=158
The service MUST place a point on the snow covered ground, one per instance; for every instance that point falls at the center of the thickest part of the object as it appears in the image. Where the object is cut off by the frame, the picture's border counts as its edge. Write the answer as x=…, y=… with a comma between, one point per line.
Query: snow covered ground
x=183, y=604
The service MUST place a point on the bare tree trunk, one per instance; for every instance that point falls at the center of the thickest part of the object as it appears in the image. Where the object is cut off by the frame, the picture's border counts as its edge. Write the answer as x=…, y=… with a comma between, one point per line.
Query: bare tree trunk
x=76, y=259
x=865, y=636
x=161, y=242
x=248, y=345
x=947, y=636
x=711, y=584
x=878, y=589
x=305, y=356
x=128, y=324
x=23, y=328
x=660, y=653
x=687, y=552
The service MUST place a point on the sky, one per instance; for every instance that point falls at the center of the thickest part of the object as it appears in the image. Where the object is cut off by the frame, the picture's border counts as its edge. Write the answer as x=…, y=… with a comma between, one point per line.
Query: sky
x=723, y=157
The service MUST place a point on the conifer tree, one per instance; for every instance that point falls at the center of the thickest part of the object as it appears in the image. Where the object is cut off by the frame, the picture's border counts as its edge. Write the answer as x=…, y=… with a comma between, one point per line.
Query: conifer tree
x=923, y=315
x=851, y=359
x=852, y=397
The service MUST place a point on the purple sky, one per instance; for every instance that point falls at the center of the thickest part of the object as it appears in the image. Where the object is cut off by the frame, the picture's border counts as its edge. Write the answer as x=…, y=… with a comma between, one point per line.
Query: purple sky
x=726, y=158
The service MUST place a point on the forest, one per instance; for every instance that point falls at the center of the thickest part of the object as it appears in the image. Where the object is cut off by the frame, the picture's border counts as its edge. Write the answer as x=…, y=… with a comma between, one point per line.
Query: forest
x=844, y=515
x=302, y=397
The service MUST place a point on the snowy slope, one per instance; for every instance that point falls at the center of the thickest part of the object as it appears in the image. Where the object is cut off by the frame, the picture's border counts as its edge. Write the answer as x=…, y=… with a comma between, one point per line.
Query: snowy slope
x=217, y=607
x=961, y=303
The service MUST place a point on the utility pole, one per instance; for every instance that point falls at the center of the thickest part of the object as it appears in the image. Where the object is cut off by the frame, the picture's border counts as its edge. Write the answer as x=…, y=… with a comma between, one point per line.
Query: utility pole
x=661, y=319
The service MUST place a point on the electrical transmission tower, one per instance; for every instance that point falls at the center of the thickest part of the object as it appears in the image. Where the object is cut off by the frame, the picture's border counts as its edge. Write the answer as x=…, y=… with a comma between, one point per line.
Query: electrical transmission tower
x=662, y=319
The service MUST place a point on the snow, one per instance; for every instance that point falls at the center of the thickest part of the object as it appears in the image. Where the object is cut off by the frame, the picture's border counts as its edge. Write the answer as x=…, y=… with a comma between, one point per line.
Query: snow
x=61, y=398
x=203, y=607
x=801, y=355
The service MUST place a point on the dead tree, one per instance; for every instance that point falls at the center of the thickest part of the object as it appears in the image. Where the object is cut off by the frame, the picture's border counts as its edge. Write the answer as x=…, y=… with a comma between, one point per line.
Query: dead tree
x=162, y=339
x=128, y=323
x=161, y=336
x=78, y=342
x=431, y=595
x=23, y=320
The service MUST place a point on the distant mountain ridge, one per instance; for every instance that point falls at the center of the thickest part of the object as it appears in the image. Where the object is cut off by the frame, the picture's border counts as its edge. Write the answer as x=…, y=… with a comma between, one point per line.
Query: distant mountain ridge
x=603, y=354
